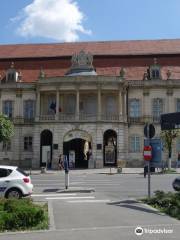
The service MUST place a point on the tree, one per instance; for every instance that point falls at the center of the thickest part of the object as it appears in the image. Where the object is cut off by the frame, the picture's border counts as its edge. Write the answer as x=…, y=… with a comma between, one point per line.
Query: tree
x=6, y=129
x=168, y=137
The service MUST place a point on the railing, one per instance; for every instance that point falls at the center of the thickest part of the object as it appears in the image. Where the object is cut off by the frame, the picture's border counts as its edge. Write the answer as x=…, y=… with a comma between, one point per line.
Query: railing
x=87, y=117
x=67, y=116
x=111, y=117
x=47, y=117
x=144, y=119
x=22, y=120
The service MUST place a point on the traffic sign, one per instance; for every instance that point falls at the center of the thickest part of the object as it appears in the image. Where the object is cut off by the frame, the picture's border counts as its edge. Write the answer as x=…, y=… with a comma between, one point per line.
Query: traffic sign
x=151, y=129
x=147, y=153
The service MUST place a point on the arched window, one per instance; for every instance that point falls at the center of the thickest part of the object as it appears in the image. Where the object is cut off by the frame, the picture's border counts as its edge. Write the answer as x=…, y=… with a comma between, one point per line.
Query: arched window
x=155, y=70
x=11, y=74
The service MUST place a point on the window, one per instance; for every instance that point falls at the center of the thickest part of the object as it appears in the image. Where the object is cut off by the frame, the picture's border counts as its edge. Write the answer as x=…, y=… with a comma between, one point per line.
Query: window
x=51, y=105
x=8, y=108
x=157, y=108
x=5, y=172
x=134, y=108
x=90, y=105
x=155, y=71
x=28, y=143
x=6, y=146
x=110, y=105
x=22, y=172
x=178, y=105
x=70, y=104
x=135, y=143
x=29, y=106
x=11, y=75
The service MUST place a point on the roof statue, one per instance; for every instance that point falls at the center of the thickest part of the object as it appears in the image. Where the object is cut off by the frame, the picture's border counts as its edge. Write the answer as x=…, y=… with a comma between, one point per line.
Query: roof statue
x=81, y=64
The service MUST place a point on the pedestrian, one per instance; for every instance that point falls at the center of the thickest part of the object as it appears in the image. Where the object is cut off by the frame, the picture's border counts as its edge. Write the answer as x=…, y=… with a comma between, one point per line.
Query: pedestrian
x=178, y=160
x=60, y=162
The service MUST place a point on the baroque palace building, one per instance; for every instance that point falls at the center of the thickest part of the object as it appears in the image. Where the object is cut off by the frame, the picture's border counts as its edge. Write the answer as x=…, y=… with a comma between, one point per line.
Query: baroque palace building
x=89, y=100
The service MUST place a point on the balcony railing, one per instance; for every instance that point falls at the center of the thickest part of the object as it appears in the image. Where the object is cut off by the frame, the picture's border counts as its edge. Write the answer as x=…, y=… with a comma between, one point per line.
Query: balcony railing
x=87, y=117
x=22, y=120
x=67, y=116
x=47, y=117
x=144, y=119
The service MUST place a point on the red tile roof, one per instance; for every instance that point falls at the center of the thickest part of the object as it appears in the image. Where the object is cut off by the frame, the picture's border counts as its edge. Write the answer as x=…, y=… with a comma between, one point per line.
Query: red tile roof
x=138, y=47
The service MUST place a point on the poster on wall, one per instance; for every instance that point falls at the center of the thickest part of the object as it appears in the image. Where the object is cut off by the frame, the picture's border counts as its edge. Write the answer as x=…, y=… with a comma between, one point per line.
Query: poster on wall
x=109, y=154
x=71, y=159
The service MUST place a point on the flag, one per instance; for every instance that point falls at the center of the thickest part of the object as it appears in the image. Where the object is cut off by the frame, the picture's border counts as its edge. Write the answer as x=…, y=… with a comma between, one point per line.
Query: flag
x=53, y=106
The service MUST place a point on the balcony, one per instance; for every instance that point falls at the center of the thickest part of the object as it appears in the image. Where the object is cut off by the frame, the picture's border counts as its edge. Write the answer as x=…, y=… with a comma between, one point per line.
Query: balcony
x=82, y=117
x=22, y=120
x=47, y=117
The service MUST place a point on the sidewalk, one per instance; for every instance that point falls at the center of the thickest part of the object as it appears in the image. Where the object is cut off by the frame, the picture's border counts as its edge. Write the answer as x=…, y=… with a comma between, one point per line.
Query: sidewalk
x=97, y=171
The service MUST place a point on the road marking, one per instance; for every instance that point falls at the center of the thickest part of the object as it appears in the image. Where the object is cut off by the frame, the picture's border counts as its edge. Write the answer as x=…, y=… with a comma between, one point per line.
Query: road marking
x=90, y=201
x=54, y=195
x=66, y=198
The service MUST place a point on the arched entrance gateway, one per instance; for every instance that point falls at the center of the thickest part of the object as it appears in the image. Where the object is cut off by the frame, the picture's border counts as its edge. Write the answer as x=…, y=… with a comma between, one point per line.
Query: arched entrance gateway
x=46, y=148
x=77, y=146
x=110, y=148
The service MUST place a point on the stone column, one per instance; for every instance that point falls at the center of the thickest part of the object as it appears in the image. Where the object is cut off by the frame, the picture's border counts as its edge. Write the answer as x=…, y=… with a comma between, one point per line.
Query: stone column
x=99, y=104
x=57, y=105
x=17, y=105
x=120, y=102
x=125, y=103
x=38, y=102
x=77, y=104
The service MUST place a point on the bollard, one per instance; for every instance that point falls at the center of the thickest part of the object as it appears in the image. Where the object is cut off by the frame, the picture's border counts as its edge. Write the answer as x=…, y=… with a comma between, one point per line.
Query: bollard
x=66, y=180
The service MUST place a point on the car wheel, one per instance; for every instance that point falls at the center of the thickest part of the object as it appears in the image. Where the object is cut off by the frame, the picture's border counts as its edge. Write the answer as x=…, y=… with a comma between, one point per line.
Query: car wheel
x=14, y=193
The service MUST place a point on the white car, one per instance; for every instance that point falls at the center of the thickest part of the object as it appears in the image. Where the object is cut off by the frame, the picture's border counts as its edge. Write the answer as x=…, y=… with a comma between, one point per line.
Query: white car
x=14, y=183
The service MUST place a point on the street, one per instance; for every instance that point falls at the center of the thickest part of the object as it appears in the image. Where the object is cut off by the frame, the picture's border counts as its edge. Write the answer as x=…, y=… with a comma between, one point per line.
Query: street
x=99, y=206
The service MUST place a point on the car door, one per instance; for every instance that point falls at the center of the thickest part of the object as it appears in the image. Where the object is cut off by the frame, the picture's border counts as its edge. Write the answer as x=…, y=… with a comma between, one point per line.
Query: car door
x=4, y=180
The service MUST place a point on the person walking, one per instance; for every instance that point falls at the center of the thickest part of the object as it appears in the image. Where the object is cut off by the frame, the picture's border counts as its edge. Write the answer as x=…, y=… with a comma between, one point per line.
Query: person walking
x=61, y=162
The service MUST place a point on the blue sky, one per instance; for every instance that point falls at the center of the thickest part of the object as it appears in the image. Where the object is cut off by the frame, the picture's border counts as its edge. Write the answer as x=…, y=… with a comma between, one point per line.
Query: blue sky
x=38, y=21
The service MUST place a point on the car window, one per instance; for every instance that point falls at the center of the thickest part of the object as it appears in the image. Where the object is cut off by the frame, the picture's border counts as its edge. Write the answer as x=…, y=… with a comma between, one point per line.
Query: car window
x=22, y=172
x=5, y=172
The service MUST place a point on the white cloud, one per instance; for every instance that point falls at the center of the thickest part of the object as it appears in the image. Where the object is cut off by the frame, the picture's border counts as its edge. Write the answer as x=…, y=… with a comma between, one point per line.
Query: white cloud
x=56, y=19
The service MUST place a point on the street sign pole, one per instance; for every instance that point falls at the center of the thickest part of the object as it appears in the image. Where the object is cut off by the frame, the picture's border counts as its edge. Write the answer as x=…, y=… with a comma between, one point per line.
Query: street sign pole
x=149, y=170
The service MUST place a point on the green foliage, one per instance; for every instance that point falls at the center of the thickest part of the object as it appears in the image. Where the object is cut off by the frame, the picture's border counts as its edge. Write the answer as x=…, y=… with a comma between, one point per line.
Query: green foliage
x=21, y=214
x=168, y=203
x=168, y=136
x=6, y=129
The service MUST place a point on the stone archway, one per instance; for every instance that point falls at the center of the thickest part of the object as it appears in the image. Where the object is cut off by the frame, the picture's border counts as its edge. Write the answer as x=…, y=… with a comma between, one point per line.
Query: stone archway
x=46, y=140
x=77, y=146
x=110, y=147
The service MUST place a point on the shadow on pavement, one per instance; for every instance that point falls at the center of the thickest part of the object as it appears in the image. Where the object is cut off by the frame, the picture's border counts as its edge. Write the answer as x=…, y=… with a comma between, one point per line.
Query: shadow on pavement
x=52, y=190
x=131, y=204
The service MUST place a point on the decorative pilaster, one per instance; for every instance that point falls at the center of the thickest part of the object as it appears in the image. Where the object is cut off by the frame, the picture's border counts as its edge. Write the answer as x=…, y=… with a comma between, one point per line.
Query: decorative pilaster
x=57, y=105
x=77, y=103
x=120, y=98
x=125, y=102
x=99, y=103
x=38, y=96
x=19, y=107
